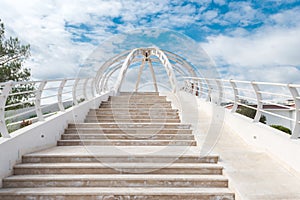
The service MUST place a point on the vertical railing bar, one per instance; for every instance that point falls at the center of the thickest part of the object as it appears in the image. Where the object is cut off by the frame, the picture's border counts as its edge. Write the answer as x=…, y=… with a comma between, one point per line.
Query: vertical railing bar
x=84, y=89
x=236, y=93
x=59, y=95
x=200, y=88
x=93, y=87
x=75, y=102
x=208, y=98
x=37, y=104
x=220, y=91
x=3, y=98
x=259, y=102
x=295, y=94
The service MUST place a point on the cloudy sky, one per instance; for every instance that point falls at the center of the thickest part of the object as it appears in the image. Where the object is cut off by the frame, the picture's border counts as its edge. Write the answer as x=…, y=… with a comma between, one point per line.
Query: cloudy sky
x=248, y=40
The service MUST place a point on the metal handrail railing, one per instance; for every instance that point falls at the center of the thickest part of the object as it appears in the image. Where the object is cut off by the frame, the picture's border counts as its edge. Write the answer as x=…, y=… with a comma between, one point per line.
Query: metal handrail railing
x=240, y=93
x=41, y=95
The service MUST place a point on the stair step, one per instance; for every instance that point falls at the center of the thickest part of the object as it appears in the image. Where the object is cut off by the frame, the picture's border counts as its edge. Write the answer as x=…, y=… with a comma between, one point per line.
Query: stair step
x=67, y=158
x=131, y=125
x=115, y=180
x=106, y=193
x=126, y=131
x=118, y=168
x=127, y=142
x=117, y=116
x=113, y=120
x=135, y=102
x=127, y=136
x=138, y=93
x=158, y=110
x=137, y=106
x=137, y=97
x=125, y=113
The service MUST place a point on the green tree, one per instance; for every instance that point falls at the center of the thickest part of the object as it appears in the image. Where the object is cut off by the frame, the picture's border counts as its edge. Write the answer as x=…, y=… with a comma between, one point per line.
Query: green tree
x=12, y=57
x=282, y=128
x=248, y=112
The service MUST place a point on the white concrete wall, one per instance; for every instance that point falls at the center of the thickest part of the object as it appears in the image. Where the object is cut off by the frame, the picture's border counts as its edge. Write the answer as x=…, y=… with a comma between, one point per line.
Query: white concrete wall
x=41, y=135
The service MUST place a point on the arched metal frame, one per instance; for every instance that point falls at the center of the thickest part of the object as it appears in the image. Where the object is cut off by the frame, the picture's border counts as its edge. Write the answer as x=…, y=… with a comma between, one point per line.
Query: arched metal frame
x=112, y=65
x=109, y=73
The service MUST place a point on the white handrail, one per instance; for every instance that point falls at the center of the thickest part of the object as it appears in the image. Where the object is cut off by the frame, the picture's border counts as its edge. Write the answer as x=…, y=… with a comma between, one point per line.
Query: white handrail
x=40, y=98
x=252, y=91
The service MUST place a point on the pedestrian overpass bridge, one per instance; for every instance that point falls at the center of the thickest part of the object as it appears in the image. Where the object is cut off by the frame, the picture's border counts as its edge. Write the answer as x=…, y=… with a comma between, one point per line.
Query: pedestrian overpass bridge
x=91, y=138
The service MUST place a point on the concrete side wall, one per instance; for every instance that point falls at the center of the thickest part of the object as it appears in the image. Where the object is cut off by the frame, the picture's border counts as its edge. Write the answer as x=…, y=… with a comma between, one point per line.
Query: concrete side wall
x=41, y=135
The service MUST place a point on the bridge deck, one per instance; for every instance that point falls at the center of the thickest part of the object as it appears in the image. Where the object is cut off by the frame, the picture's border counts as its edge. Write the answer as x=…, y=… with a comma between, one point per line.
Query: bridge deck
x=253, y=173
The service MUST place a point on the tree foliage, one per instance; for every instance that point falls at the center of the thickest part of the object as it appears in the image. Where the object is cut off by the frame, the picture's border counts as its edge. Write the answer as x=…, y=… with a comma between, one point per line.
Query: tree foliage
x=12, y=57
x=282, y=128
x=248, y=112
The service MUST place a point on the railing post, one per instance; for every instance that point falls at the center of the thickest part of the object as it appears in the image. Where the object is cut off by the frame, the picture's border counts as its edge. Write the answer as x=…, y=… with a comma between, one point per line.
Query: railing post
x=220, y=91
x=59, y=95
x=84, y=89
x=259, y=102
x=3, y=97
x=194, y=88
x=37, y=102
x=93, y=87
x=236, y=93
x=186, y=85
x=296, y=97
x=200, y=89
x=75, y=102
x=191, y=83
x=209, y=88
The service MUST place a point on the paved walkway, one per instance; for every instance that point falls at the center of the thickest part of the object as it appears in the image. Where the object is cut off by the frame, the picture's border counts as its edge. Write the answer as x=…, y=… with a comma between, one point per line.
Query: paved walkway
x=253, y=174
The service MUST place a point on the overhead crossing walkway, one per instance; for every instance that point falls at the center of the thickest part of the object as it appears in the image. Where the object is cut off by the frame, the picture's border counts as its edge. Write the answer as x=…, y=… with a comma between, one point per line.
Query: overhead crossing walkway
x=84, y=138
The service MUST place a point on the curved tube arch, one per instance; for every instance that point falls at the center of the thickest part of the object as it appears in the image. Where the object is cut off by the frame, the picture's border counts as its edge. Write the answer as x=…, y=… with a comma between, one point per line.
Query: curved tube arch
x=179, y=65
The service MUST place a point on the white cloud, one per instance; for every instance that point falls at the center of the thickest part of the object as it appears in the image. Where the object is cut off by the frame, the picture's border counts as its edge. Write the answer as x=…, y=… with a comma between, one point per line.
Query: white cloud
x=42, y=25
x=220, y=2
x=287, y=18
x=261, y=52
x=55, y=54
x=209, y=15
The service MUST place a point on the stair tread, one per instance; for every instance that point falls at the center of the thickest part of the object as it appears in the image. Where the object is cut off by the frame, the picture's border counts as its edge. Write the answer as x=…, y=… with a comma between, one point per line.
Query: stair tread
x=138, y=109
x=133, y=123
x=127, y=165
x=121, y=140
x=172, y=151
x=121, y=134
x=116, y=155
x=183, y=177
x=131, y=103
x=126, y=128
x=115, y=191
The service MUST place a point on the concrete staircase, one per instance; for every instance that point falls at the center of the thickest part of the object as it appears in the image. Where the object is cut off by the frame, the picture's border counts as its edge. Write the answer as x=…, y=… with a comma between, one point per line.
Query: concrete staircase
x=133, y=147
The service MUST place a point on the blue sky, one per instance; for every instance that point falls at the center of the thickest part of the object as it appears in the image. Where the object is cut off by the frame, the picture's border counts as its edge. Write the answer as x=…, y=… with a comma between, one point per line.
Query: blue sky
x=248, y=40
